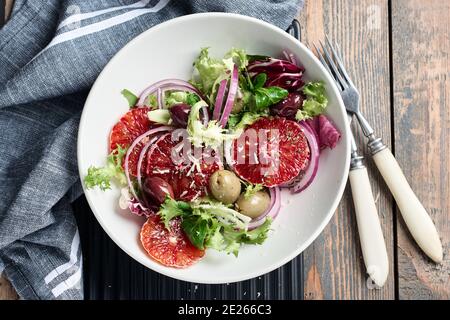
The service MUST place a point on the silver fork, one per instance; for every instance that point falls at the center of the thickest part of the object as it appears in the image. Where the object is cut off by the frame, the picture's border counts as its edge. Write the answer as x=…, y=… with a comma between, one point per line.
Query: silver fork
x=371, y=237
x=414, y=214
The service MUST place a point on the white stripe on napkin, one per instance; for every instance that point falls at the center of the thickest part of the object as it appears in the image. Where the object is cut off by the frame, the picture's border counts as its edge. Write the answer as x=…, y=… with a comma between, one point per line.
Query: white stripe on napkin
x=100, y=26
x=105, y=24
x=66, y=266
x=69, y=282
x=83, y=16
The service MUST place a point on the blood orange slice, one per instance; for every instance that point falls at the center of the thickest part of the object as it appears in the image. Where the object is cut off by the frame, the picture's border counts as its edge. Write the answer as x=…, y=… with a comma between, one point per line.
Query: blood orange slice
x=134, y=123
x=189, y=180
x=170, y=248
x=272, y=151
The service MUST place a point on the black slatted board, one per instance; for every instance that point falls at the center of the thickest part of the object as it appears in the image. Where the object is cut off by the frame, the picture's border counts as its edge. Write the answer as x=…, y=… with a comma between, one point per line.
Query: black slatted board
x=2, y=12
x=111, y=274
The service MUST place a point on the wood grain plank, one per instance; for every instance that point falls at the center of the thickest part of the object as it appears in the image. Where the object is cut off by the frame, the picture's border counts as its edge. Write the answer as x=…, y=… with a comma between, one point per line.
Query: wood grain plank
x=421, y=60
x=8, y=8
x=334, y=268
x=7, y=292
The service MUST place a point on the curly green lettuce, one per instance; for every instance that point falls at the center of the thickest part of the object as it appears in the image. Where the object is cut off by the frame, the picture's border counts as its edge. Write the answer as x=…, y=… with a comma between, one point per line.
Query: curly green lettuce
x=209, y=70
x=102, y=177
x=316, y=101
x=178, y=97
x=211, y=224
x=211, y=135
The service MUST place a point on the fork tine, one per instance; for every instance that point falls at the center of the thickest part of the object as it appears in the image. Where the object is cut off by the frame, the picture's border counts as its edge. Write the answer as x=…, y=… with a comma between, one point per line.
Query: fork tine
x=336, y=49
x=338, y=58
x=325, y=64
x=322, y=59
x=333, y=66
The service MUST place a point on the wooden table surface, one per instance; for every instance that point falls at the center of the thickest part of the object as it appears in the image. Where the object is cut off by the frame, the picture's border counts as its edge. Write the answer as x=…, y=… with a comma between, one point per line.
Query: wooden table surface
x=398, y=54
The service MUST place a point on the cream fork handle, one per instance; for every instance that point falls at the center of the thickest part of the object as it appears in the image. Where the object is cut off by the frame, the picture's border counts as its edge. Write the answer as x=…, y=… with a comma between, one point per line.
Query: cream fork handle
x=416, y=217
x=370, y=234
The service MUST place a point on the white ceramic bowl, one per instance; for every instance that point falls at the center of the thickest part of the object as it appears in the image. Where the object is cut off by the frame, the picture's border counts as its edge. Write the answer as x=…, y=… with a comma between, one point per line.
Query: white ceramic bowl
x=167, y=51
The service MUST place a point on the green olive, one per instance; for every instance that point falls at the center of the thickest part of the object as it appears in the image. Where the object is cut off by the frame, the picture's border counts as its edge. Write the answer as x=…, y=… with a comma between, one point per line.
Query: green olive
x=225, y=186
x=255, y=205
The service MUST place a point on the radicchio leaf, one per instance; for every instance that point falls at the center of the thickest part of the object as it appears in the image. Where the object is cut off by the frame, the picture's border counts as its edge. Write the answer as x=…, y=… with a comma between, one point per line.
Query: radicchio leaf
x=327, y=133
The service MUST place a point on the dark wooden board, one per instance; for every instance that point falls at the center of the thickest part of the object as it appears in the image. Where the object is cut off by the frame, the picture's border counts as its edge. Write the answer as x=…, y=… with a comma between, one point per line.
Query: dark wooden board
x=421, y=60
x=334, y=268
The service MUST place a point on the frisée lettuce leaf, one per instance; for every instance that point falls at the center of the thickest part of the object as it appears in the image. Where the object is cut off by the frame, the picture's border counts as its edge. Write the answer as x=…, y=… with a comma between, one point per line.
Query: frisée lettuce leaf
x=101, y=177
x=211, y=135
x=239, y=57
x=211, y=224
x=178, y=97
x=208, y=70
x=315, y=103
x=241, y=120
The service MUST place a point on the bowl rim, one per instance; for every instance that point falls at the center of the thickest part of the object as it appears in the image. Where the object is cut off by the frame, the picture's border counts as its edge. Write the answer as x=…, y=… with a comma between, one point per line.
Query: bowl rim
x=344, y=135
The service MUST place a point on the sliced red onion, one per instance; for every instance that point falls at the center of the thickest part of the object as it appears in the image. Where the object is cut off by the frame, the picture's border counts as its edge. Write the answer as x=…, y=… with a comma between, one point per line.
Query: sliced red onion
x=205, y=113
x=141, y=158
x=160, y=98
x=272, y=211
x=167, y=84
x=219, y=99
x=231, y=96
x=152, y=148
x=311, y=171
x=130, y=149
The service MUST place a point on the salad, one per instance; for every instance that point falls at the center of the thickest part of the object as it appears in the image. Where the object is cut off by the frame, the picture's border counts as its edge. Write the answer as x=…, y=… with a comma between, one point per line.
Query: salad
x=203, y=161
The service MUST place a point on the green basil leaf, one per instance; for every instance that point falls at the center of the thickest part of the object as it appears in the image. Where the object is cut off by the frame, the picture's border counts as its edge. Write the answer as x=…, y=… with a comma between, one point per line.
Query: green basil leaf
x=196, y=229
x=259, y=81
x=265, y=97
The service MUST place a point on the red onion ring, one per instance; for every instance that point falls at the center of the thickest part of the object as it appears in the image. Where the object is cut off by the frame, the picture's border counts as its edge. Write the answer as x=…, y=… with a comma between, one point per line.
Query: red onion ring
x=167, y=84
x=272, y=211
x=130, y=149
x=152, y=149
x=159, y=96
x=141, y=159
x=219, y=99
x=205, y=113
x=231, y=96
x=311, y=171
